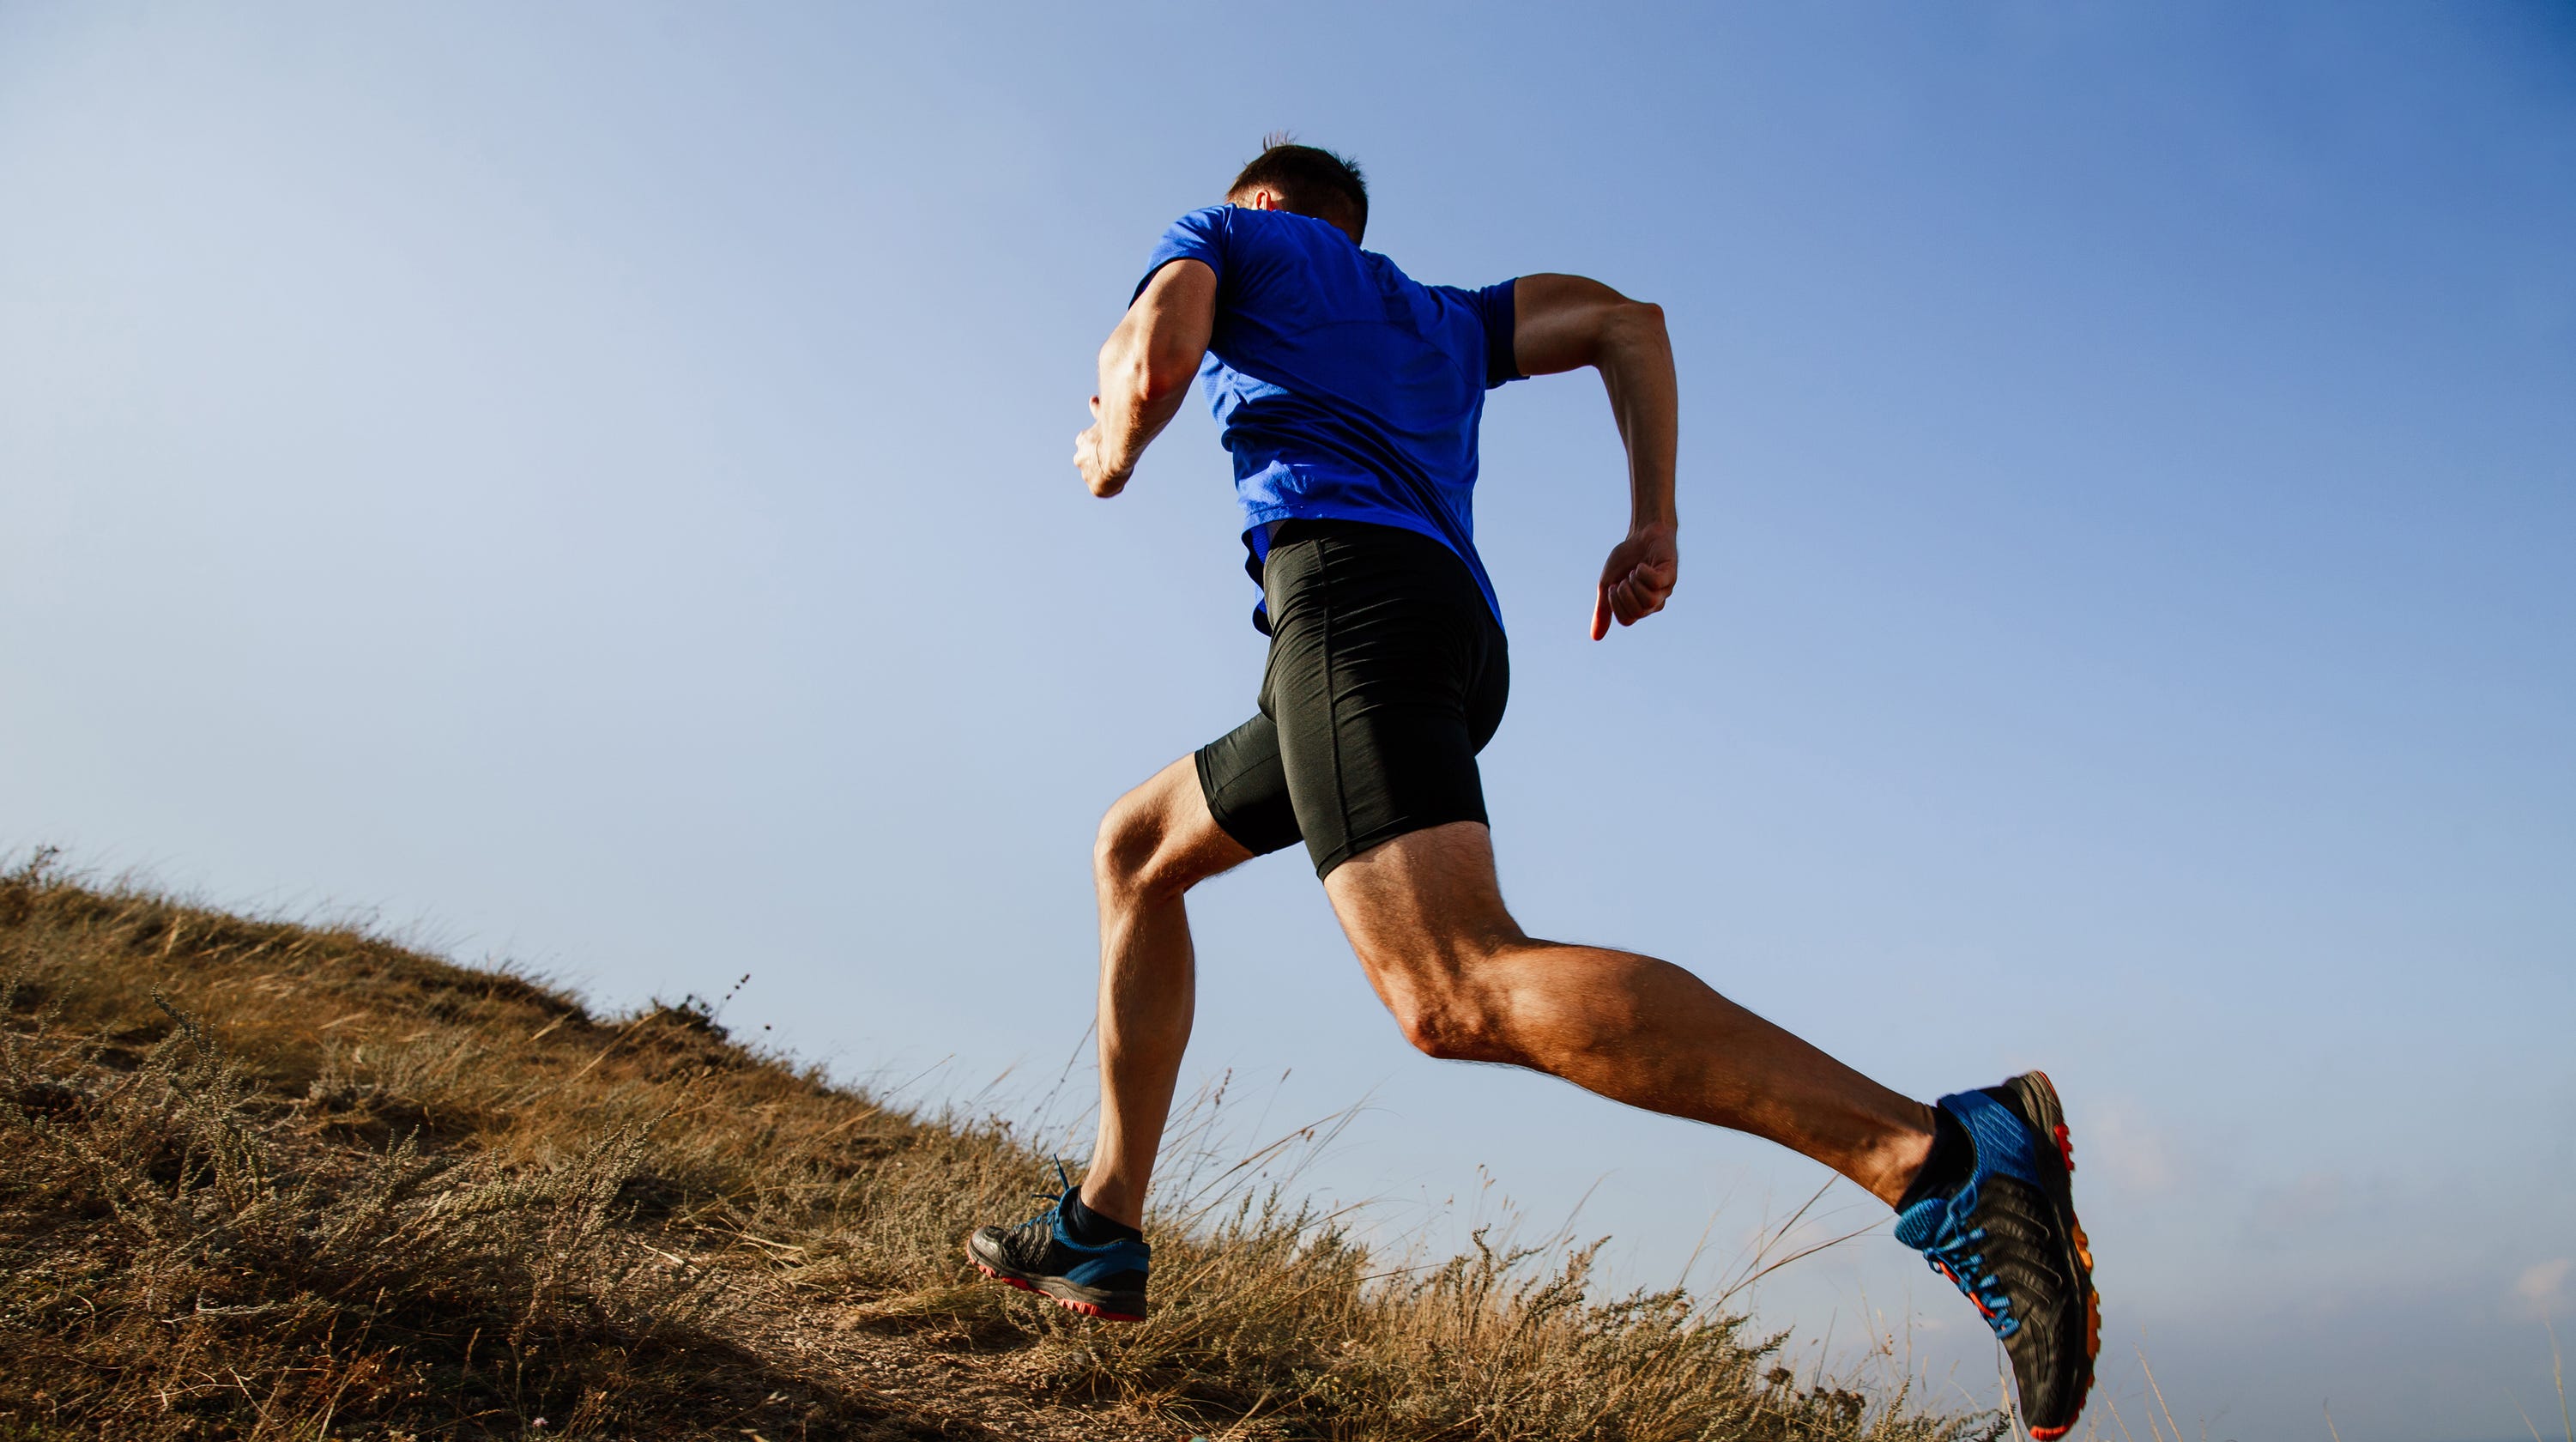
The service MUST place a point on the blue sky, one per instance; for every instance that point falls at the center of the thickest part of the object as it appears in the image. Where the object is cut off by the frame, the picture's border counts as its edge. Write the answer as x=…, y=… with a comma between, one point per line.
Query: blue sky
x=589, y=485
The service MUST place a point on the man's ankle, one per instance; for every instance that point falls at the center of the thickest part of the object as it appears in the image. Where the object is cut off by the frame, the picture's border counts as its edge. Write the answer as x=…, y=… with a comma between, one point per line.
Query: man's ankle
x=1093, y=1228
x=1951, y=1158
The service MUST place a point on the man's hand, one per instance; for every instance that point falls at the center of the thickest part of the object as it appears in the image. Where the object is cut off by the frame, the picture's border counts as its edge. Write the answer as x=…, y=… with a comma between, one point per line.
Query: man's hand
x=1636, y=579
x=1096, y=470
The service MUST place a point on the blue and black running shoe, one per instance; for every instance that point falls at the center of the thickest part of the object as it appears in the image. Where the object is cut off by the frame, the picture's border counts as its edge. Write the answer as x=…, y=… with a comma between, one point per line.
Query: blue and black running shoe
x=1040, y=1255
x=2008, y=1238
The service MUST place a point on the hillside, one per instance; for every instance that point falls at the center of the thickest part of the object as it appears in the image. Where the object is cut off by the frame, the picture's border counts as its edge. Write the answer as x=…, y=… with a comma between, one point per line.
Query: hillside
x=263, y=1180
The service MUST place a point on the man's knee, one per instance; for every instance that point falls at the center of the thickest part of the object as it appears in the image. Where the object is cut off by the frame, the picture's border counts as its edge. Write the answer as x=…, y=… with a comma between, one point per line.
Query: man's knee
x=1122, y=855
x=1442, y=1009
x=1140, y=853
x=1453, y=1026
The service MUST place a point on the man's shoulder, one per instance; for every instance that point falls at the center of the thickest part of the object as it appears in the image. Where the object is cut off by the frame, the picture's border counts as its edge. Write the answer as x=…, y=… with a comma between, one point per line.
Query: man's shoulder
x=1207, y=225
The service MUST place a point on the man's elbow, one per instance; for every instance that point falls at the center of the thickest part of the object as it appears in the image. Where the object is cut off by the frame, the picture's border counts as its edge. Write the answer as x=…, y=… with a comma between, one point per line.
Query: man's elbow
x=1150, y=374
x=1618, y=331
x=1167, y=374
x=1633, y=321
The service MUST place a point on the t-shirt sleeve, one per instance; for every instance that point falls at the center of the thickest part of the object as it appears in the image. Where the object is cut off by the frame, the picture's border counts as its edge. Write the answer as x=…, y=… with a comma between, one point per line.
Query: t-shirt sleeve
x=1200, y=235
x=1494, y=306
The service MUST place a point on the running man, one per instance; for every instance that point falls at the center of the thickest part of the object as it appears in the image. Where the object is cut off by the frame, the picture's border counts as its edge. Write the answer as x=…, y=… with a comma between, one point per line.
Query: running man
x=1349, y=396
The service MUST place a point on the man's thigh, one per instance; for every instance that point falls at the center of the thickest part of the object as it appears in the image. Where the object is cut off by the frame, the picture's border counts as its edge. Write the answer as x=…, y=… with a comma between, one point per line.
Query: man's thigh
x=1243, y=787
x=1422, y=908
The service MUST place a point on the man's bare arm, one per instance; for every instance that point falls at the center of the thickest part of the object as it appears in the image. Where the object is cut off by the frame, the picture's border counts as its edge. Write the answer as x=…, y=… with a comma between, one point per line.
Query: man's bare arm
x=1145, y=370
x=1564, y=322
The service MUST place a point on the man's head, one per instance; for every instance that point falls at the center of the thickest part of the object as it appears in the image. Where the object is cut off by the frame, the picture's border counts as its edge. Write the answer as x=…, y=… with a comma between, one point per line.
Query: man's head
x=1306, y=181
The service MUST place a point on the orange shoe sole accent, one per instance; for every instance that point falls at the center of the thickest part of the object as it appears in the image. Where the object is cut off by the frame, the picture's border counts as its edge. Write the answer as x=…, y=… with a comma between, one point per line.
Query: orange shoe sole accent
x=1095, y=1311
x=1092, y=1310
x=2092, y=1295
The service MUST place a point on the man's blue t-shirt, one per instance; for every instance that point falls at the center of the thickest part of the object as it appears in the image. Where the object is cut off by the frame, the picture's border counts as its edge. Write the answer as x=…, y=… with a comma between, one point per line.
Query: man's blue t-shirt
x=1344, y=389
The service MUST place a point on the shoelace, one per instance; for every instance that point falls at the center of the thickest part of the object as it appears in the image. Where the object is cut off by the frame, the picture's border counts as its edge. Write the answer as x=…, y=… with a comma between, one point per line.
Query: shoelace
x=1045, y=1221
x=1964, y=1268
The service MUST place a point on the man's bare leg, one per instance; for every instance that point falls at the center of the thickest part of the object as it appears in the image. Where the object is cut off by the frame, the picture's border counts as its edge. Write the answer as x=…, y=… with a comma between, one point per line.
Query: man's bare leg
x=1156, y=843
x=1426, y=917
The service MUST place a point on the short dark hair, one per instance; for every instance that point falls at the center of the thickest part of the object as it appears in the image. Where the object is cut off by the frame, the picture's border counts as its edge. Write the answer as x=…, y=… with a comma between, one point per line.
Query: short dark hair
x=1308, y=181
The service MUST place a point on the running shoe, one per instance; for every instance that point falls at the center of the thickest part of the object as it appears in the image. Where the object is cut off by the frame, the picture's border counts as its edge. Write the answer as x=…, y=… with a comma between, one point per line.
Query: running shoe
x=1040, y=1255
x=2008, y=1238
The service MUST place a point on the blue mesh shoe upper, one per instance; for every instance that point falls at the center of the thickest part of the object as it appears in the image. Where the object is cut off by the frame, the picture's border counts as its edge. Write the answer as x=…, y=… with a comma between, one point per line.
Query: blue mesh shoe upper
x=1944, y=1228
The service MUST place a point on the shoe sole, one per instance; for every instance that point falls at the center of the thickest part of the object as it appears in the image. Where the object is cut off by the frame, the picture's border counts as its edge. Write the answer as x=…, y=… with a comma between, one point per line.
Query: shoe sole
x=1092, y=1302
x=2038, y=1096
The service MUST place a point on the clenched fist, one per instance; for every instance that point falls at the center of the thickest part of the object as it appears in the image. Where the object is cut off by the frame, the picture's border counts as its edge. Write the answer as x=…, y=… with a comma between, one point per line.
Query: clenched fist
x=1636, y=579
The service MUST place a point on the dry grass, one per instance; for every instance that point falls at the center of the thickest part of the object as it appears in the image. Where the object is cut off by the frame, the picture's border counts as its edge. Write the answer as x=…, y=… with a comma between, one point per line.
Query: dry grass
x=264, y=1180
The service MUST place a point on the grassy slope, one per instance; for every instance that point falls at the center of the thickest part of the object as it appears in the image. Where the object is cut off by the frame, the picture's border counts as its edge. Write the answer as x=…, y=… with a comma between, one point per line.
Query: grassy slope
x=267, y=1180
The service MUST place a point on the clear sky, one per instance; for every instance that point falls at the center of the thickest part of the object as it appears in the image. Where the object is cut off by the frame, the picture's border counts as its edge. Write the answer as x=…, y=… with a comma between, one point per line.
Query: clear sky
x=589, y=483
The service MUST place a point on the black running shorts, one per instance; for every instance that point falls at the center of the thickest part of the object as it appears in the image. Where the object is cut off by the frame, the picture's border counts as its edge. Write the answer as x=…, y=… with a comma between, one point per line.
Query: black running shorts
x=1387, y=675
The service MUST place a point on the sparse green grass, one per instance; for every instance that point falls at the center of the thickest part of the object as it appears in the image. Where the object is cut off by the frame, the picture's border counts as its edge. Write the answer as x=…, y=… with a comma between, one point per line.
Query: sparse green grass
x=264, y=1180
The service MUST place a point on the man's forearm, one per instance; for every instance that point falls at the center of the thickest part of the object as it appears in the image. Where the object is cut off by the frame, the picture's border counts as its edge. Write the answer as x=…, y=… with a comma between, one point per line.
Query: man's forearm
x=1135, y=404
x=1636, y=364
